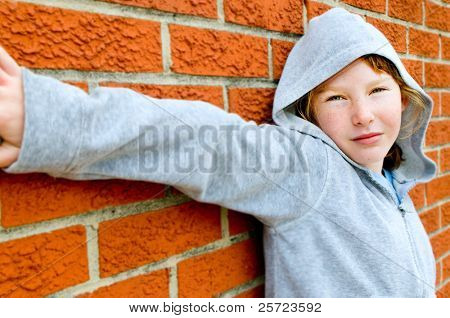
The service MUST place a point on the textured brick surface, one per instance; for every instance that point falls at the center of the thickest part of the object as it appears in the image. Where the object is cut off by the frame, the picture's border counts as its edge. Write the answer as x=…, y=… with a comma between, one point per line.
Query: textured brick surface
x=213, y=273
x=445, y=214
x=437, y=132
x=82, y=85
x=371, y=5
x=445, y=43
x=277, y=15
x=395, y=33
x=430, y=219
x=446, y=268
x=43, y=264
x=209, y=52
x=438, y=189
x=441, y=243
x=252, y=103
x=153, y=285
x=436, y=103
x=408, y=10
x=204, y=8
x=240, y=222
x=414, y=68
x=314, y=9
x=29, y=198
x=438, y=273
x=44, y=37
x=280, y=52
x=133, y=241
x=257, y=292
x=444, y=292
x=437, y=16
x=445, y=159
x=417, y=195
x=445, y=103
x=210, y=94
x=437, y=75
x=423, y=43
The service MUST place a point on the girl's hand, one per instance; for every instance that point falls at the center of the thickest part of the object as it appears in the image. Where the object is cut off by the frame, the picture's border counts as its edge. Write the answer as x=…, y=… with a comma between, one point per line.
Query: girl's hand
x=11, y=109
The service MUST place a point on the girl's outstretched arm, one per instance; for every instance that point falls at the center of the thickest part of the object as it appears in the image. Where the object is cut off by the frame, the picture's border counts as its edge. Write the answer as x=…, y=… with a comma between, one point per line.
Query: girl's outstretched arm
x=213, y=156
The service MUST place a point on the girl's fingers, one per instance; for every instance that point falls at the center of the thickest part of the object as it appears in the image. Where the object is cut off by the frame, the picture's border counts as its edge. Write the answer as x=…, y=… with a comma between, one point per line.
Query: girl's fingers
x=8, y=154
x=8, y=64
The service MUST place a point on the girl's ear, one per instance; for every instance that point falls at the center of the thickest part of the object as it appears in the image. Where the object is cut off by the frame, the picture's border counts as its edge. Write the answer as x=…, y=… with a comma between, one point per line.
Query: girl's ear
x=405, y=102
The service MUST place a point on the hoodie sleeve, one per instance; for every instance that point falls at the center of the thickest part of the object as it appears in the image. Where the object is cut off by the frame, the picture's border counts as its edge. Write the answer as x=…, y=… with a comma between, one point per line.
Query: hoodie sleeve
x=271, y=172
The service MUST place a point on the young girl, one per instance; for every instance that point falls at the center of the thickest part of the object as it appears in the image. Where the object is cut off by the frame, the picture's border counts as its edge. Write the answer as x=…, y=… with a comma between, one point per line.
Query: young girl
x=331, y=179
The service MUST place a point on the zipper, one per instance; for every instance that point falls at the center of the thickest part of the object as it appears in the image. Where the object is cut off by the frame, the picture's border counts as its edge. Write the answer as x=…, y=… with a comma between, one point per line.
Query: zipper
x=413, y=250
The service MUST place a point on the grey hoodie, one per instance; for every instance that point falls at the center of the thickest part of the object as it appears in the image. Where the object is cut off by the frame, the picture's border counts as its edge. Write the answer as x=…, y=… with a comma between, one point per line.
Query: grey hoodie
x=330, y=228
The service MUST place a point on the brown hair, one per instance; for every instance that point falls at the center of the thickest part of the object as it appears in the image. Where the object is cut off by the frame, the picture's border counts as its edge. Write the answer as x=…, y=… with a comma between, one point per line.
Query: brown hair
x=304, y=108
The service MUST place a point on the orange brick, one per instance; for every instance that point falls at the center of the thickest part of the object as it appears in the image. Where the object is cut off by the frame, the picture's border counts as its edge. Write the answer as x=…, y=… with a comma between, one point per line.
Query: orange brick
x=437, y=75
x=395, y=33
x=423, y=43
x=414, y=68
x=371, y=5
x=444, y=292
x=257, y=292
x=436, y=103
x=313, y=8
x=42, y=264
x=430, y=219
x=44, y=37
x=437, y=16
x=280, y=52
x=441, y=243
x=210, y=94
x=203, y=8
x=133, y=241
x=445, y=159
x=277, y=15
x=30, y=198
x=153, y=285
x=445, y=213
x=434, y=155
x=437, y=189
x=240, y=222
x=417, y=195
x=82, y=85
x=445, y=104
x=446, y=268
x=438, y=132
x=211, y=274
x=438, y=273
x=445, y=47
x=408, y=10
x=252, y=103
x=208, y=52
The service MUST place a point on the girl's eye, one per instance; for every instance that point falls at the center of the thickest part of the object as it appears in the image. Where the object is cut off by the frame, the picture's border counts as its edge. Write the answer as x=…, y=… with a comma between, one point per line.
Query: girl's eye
x=383, y=89
x=378, y=88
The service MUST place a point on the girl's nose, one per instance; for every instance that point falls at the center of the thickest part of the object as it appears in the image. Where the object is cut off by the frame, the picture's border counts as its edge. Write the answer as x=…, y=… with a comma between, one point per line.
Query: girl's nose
x=362, y=115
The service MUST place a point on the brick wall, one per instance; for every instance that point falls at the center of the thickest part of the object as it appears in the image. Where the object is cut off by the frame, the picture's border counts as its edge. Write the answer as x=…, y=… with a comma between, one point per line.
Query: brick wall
x=120, y=238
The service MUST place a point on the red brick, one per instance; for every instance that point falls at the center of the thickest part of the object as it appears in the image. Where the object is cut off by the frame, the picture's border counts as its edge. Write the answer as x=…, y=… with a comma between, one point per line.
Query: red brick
x=414, y=68
x=445, y=159
x=240, y=222
x=371, y=5
x=153, y=285
x=30, y=198
x=44, y=37
x=446, y=268
x=436, y=103
x=252, y=103
x=441, y=243
x=430, y=219
x=395, y=33
x=437, y=16
x=208, y=52
x=417, y=195
x=445, y=214
x=437, y=189
x=438, y=273
x=444, y=292
x=82, y=85
x=280, y=52
x=423, y=43
x=313, y=8
x=43, y=264
x=210, y=94
x=434, y=155
x=445, y=104
x=437, y=75
x=133, y=241
x=445, y=47
x=438, y=132
x=203, y=8
x=257, y=292
x=277, y=15
x=408, y=10
x=211, y=274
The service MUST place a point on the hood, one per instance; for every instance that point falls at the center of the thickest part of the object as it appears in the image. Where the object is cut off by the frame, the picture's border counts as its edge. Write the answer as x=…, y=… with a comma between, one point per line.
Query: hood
x=332, y=41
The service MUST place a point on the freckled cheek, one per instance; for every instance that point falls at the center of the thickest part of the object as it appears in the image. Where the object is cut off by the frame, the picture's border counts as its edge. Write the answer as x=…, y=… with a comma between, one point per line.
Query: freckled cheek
x=331, y=123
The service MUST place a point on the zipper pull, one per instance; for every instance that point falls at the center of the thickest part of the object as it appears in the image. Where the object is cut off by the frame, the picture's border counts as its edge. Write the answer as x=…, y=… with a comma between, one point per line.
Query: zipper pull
x=402, y=210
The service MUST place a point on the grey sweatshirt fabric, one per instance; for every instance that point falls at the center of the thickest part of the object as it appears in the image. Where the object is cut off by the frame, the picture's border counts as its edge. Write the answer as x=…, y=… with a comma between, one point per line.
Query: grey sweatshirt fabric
x=331, y=229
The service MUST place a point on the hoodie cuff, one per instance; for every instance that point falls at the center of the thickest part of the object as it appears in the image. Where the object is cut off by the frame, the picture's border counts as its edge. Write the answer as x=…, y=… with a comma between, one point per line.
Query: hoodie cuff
x=52, y=128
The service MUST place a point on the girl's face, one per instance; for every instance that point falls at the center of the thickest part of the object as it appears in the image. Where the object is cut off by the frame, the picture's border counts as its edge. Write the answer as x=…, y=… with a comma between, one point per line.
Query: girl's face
x=361, y=111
